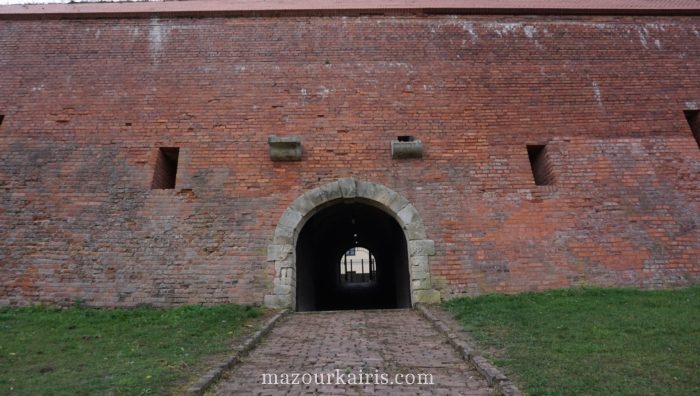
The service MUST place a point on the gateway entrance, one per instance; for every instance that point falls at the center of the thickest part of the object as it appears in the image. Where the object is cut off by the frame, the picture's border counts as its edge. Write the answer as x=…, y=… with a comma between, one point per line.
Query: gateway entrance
x=351, y=256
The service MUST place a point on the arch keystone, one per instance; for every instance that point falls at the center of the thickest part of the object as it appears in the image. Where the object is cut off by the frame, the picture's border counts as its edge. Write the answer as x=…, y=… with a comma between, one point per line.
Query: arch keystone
x=348, y=188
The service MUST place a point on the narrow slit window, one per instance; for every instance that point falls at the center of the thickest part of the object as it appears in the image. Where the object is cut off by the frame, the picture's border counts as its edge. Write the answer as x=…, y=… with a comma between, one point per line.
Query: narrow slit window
x=2, y=118
x=166, y=168
x=693, y=117
x=541, y=167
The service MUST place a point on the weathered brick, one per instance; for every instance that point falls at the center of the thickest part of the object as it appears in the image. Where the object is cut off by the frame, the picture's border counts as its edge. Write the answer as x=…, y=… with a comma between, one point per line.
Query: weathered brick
x=88, y=102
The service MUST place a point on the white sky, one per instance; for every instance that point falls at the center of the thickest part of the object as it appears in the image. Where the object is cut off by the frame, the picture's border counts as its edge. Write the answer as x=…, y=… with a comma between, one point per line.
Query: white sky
x=354, y=263
x=10, y=2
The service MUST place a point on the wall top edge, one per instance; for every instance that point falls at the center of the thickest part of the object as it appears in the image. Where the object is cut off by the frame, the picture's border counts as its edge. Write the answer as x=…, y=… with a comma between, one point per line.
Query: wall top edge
x=263, y=8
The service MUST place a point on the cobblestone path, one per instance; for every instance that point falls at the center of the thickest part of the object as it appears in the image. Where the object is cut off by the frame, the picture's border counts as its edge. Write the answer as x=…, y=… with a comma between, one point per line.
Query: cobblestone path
x=349, y=343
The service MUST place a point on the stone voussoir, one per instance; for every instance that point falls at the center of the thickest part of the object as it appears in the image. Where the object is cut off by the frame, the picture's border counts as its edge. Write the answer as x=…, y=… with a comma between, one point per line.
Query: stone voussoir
x=348, y=188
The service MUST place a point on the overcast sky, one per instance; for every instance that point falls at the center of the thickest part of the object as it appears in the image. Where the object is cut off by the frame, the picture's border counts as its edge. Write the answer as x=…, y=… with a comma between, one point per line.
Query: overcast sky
x=8, y=2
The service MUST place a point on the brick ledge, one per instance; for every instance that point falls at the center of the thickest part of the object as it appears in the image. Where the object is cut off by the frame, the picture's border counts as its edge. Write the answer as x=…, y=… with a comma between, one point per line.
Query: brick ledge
x=257, y=8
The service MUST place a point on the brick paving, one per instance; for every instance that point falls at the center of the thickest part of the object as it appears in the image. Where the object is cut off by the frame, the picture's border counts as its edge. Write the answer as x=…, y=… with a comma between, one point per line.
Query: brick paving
x=390, y=341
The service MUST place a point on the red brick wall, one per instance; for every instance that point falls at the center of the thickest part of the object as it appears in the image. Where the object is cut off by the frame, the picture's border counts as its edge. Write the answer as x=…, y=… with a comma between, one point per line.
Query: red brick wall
x=87, y=103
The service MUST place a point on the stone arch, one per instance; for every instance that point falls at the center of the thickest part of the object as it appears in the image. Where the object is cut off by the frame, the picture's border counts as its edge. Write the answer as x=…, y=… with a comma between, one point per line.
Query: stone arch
x=282, y=250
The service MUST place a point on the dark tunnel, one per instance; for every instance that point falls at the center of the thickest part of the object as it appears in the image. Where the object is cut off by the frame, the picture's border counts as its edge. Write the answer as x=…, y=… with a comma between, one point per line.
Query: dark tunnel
x=324, y=240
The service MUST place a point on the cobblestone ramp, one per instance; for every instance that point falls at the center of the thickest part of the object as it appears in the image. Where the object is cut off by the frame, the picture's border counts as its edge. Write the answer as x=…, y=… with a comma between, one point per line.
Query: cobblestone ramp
x=390, y=341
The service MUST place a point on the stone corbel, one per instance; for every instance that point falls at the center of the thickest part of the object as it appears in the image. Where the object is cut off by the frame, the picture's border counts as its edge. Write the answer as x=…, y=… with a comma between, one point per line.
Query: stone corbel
x=284, y=148
x=406, y=149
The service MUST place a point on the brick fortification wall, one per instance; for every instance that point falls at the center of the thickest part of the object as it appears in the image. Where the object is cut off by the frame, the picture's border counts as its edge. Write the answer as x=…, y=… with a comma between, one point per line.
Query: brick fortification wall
x=88, y=102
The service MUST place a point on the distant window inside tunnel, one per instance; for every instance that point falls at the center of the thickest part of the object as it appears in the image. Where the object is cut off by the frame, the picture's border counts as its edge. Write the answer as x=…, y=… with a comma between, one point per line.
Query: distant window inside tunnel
x=357, y=265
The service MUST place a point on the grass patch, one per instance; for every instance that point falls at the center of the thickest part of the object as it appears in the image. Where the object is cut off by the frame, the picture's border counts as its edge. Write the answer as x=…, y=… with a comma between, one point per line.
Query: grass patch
x=591, y=341
x=136, y=351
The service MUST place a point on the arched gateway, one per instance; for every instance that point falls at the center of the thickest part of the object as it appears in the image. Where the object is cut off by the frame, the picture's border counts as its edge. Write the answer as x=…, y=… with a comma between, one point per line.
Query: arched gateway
x=319, y=226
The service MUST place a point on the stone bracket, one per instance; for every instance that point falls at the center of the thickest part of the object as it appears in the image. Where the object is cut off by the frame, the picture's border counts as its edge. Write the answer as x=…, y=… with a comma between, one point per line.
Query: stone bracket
x=406, y=150
x=284, y=148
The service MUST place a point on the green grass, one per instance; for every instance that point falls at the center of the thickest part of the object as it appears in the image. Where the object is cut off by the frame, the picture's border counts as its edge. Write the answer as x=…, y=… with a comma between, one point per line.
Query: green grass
x=591, y=341
x=87, y=351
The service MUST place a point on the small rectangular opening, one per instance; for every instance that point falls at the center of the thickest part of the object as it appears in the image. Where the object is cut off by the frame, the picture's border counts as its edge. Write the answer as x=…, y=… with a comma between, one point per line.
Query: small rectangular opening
x=541, y=167
x=2, y=117
x=405, y=138
x=693, y=118
x=166, y=168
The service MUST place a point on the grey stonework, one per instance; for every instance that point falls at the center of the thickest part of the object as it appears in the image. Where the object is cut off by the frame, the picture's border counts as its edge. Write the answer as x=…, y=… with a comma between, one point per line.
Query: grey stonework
x=406, y=150
x=284, y=148
x=282, y=252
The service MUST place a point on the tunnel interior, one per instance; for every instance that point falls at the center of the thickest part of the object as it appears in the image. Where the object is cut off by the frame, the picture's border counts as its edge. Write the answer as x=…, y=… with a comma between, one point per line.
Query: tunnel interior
x=326, y=238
